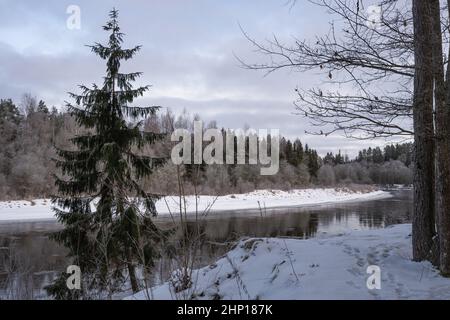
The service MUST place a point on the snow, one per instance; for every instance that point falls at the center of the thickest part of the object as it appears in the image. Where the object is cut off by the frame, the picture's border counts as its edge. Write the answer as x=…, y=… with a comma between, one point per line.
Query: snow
x=317, y=268
x=40, y=209
x=271, y=199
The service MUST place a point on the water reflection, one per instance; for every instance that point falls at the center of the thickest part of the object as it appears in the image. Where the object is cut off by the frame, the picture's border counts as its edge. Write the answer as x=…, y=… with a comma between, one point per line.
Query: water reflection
x=29, y=260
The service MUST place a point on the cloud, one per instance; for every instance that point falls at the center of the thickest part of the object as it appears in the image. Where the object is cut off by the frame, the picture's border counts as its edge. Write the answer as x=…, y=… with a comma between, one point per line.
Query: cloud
x=188, y=57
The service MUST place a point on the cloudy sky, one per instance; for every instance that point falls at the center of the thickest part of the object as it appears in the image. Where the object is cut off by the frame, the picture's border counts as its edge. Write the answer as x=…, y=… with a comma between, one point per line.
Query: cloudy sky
x=188, y=56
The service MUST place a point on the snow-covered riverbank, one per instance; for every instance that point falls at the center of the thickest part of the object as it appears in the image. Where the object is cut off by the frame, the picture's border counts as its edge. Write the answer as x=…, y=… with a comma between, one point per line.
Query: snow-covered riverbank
x=41, y=209
x=317, y=268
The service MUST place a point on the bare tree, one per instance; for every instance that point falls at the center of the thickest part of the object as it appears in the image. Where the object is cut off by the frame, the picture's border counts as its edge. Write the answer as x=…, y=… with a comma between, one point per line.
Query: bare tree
x=423, y=217
x=375, y=59
x=394, y=68
x=442, y=139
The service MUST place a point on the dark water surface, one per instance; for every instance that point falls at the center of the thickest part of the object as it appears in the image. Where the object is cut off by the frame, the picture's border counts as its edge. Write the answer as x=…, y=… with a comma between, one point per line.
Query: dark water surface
x=29, y=260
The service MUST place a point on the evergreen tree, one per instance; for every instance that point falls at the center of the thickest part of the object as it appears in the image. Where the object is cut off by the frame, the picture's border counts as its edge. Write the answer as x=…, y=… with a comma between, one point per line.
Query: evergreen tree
x=377, y=155
x=360, y=157
x=329, y=159
x=299, y=149
x=289, y=151
x=369, y=155
x=9, y=113
x=42, y=107
x=105, y=213
x=312, y=161
x=339, y=159
x=10, y=124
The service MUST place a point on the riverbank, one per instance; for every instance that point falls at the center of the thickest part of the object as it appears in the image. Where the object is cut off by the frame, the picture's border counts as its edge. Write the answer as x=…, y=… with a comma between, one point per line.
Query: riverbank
x=317, y=268
x=40, y=209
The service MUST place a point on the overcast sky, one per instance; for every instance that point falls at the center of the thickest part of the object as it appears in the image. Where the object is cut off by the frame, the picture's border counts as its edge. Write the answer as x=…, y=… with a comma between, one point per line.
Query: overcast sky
x=188, y=56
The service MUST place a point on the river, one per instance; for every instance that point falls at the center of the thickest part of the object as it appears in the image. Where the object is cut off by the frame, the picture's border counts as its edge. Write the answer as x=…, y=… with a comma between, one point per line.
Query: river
x=29, y=260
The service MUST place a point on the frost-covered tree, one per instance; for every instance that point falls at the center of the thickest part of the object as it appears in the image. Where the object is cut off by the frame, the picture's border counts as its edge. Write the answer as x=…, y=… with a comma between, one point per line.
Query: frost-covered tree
x=326, y=175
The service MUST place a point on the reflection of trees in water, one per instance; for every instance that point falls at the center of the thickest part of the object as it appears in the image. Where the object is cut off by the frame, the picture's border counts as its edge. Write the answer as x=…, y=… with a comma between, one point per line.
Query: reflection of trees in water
x=371, y=220
x=370, y=214
x=331, y=217
x=27, y=263
x=26, y=227
x=232, y=228
x=385, y=213
x=338, y=219
x=405, y=217
x=219, y=235
x=295, y=225
x=27, y=258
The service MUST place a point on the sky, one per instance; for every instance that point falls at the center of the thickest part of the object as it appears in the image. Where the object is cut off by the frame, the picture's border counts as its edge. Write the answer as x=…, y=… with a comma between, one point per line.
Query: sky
x=188, y=55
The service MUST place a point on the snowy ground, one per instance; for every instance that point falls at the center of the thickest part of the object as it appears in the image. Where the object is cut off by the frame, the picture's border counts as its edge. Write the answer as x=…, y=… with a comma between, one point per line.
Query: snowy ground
x=318, y=268
x=41, y=209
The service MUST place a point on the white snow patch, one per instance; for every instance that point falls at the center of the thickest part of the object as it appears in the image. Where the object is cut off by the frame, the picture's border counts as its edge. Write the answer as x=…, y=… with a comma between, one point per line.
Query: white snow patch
x=317, y=268
x=40, y=209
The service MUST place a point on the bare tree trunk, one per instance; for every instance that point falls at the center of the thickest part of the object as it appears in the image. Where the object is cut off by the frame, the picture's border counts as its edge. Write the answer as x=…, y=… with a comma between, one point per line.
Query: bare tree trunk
x=132, y=273
x=439, y=103
x=442, y=100
x=423, y=215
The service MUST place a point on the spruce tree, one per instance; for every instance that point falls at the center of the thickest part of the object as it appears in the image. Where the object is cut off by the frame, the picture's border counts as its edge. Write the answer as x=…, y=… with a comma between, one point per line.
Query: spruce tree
x=106, y=214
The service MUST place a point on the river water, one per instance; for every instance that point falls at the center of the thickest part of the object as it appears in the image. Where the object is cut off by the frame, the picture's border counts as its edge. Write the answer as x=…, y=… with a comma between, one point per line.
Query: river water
x=29, y=260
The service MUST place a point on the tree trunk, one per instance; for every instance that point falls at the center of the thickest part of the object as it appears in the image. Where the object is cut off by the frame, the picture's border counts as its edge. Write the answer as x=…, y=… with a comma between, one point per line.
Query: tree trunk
x=133, y=280
x=440, y=105
x=423, y=214
x=442, y=120
x=132, y=274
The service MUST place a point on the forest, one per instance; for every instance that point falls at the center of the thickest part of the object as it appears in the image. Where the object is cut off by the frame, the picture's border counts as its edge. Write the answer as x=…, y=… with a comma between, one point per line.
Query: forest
x=30, y=129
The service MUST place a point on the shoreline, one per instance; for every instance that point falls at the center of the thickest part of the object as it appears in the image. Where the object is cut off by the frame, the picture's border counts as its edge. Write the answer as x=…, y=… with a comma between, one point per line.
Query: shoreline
x=253, y=202
x=336, y=267
x=274, y=209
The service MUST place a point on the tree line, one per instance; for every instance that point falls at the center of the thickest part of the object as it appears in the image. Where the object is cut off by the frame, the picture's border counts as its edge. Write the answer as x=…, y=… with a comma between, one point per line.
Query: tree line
x=388, y=166
x=29, y=131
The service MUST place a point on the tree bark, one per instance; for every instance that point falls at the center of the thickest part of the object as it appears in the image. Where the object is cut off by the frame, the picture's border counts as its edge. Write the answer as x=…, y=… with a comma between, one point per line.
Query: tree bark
x=132, y=273
x=423, y=214
x=442, y=121
x=439, y=105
